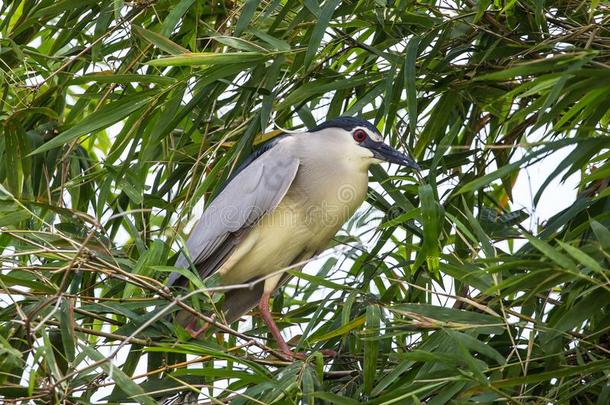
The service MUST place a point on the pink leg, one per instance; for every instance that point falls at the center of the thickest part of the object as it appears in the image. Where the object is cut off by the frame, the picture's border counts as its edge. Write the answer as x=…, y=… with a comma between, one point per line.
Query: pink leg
x=263, y=306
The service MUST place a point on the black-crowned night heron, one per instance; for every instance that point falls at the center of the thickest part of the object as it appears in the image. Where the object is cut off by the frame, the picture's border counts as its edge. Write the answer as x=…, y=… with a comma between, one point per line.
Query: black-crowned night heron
x=282, y=207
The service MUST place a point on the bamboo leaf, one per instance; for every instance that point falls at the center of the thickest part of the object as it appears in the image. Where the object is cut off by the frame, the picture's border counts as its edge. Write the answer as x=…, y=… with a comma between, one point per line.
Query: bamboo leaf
x=319, y=29
x=160, y=41
x=484, y=278
x=245, y=16
x=552, y=253
x=344, y=329
x=98, y=120
x=133, y=390
x=371, y=347
x=409, y=72
x=447, y=314
x=208, y=58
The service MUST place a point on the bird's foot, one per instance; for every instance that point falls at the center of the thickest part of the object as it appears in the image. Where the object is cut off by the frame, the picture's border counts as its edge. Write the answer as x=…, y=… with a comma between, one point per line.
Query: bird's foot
x=289, y=355
x=196, y=332
x=296, y=355
x=328, y=353
x=190, y=328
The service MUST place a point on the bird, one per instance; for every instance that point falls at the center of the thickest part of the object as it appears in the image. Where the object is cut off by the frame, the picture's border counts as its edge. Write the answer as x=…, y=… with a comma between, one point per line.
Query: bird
x=281, y=207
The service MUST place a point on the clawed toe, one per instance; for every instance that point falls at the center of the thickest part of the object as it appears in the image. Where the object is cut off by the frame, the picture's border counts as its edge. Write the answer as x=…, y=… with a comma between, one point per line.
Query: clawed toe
x=195, y=333
x=328, y=353
x=190, y=328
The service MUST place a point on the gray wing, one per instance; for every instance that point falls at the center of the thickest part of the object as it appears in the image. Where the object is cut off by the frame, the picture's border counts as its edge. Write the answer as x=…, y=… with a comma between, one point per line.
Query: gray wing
x=253, y=192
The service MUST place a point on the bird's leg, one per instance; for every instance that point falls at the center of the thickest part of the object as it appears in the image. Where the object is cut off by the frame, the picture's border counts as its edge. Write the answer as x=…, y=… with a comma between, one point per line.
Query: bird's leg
x=263, y=306
x=190, y=328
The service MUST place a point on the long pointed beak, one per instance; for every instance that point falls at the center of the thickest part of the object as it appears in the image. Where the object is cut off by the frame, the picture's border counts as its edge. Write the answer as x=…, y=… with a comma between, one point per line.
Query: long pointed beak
x=387, y=153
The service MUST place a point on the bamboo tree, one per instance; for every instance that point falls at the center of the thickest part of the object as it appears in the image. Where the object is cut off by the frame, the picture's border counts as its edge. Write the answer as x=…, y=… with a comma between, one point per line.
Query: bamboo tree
x=119, y=118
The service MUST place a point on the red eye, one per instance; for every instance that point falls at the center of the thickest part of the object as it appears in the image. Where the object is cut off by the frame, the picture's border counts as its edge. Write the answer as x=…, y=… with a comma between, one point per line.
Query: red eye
x=359, y=135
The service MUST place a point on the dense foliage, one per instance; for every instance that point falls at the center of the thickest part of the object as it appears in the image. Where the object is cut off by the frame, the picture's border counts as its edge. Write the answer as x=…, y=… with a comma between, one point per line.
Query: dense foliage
x=118, y=118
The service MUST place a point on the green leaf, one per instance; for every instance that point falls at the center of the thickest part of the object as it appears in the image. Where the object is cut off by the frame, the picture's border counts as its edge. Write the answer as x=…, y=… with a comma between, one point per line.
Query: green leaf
x=66, y=320
x=371, y=347
x=133, y=390
x=277, y=43
x=409, y=73
x=321, y=86
x=560, y=372
x=188, y=274
x=319, y=29
x=582, y=257
x=245, y=17
x=13, y=218
x=319, y=280
x=509, y=168
x=160, y=41
x=530, y=68
x=552, y=253
x=432, y=217
x=340, y=331
x=109, y=77
x=478, y=230
x=476, y=345
x=448, y=315
x=14, y=279
x=602, y=233
x=308, y=385
x=209, y=58
x=334, y=398
x=118, y=5
x=104, y=117
x=402, y=218
x=176, y=12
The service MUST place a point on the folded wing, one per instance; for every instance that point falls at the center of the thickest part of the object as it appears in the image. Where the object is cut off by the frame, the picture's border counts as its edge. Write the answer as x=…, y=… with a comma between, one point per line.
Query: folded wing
x=256, y=190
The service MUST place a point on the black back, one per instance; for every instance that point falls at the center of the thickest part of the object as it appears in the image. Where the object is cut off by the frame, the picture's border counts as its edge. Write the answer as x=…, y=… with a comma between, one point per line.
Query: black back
x=347, y=123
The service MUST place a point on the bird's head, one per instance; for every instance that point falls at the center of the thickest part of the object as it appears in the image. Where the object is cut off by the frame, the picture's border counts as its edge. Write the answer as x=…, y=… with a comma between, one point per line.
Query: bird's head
x=362, y=139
